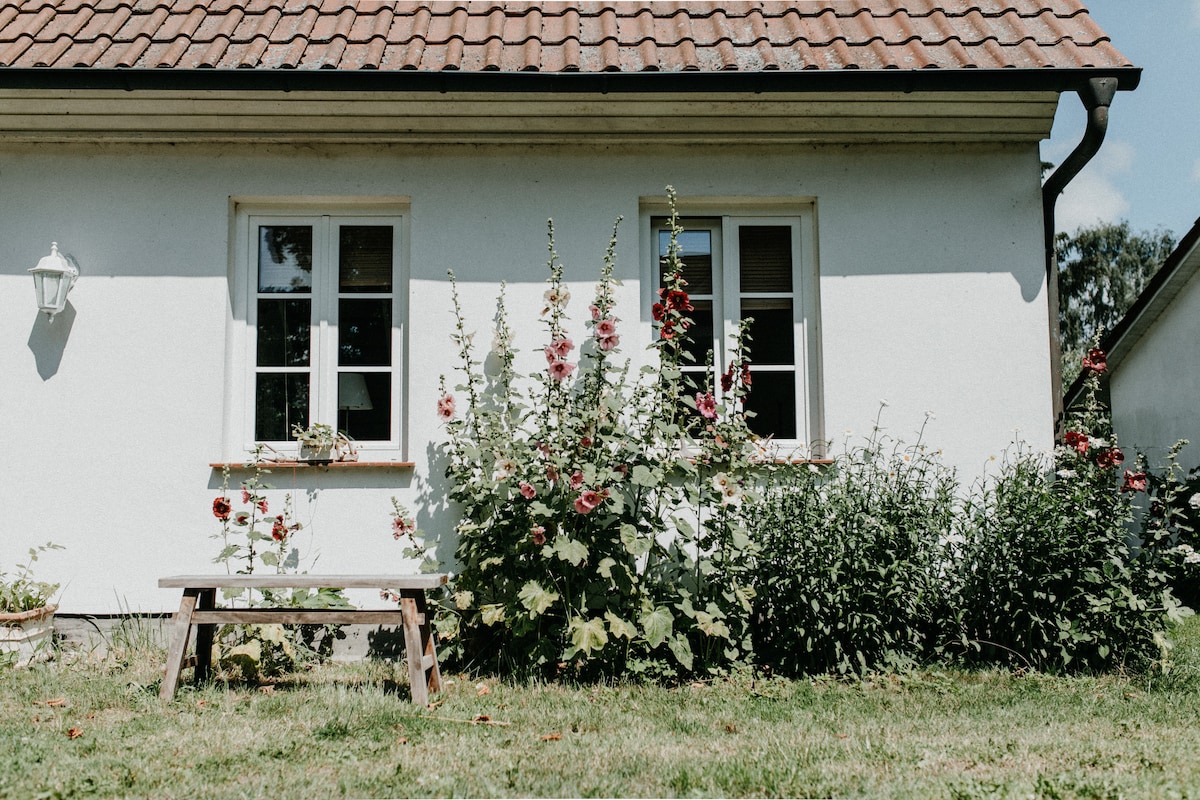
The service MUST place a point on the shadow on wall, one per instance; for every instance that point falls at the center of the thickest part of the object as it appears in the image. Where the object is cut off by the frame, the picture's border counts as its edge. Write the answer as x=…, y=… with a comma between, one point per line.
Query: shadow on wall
x=48, y=340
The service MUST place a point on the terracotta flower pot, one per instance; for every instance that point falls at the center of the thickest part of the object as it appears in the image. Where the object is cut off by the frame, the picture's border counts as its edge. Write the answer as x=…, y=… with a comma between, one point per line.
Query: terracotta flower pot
x=28, y=634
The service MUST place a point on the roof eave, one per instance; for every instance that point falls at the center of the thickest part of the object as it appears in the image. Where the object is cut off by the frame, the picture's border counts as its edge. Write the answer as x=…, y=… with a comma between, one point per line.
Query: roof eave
x=1053, y=79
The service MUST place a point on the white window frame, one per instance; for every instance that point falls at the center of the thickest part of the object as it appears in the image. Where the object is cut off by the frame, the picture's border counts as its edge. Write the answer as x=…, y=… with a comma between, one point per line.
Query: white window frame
x=325, y=216
x=722, y=217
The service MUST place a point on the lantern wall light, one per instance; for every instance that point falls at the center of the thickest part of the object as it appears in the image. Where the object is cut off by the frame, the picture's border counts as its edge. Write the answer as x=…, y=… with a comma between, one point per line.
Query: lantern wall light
x=53, y=278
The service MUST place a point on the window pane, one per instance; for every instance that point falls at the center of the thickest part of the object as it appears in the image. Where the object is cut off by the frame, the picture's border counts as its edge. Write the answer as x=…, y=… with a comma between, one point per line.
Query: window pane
x=285, y=258
x=365, y=258
x=365, y=405
x=280, y=401
x=765, y=258
x=772, y=334
x=365, y=333
x=695, y=250
x=284, y=334
x=773, y=399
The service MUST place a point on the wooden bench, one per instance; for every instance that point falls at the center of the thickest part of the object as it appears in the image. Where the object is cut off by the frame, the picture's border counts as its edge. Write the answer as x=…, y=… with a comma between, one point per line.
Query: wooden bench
x=198, y=609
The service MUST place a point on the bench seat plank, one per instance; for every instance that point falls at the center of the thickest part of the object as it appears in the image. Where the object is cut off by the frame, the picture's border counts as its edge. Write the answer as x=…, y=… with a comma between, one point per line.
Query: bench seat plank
x=429, y=581
x=299, y=616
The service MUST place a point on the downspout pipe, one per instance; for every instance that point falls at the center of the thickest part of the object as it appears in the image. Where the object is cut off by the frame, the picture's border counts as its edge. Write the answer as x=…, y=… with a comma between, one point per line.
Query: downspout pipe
x=1097, y=95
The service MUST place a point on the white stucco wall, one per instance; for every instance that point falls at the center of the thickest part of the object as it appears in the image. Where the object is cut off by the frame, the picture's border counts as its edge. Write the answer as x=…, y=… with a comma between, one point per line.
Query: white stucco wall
x=931, y=295
x=1155, y=385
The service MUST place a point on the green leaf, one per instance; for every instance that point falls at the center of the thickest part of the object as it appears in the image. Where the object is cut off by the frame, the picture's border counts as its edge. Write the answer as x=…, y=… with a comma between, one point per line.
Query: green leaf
x=492, y=613
x=619, y=627
x=571, y=551
x=657, y=625
x=536, y=599
x=644, y=476
x=270, y=559
x=682, y=650
x=635, y=545
x=605, y=567
x=587, y=636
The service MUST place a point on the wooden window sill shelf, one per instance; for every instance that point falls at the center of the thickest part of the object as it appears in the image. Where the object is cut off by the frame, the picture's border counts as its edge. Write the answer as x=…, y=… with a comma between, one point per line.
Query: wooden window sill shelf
x=308, y=465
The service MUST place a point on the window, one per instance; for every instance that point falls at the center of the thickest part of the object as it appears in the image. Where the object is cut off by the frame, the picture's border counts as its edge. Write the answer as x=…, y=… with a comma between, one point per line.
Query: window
x=324, y=317
x=757, y=267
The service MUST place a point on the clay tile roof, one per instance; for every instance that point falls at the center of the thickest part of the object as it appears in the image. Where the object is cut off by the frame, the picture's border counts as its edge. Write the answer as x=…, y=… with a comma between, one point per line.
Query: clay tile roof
x=553, y=37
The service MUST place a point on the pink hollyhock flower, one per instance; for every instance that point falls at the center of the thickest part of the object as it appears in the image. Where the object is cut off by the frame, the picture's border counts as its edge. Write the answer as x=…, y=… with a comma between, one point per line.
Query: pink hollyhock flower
x=445, y=407
x=576, y=480
x=561, y=370
x=538, y=534
x=562, y=347
x=1134, y=482
x=1077, y=440
x=401, y=526
x=1109, y=458
x=221, y=508
x=551, y=473
x=262, y=506
x=706, y=404
x=608, y=343
x=606, y=327
x=1096, y=360
x=246, y=497
x=587, y=501
x=527, y=491
x=595, y=311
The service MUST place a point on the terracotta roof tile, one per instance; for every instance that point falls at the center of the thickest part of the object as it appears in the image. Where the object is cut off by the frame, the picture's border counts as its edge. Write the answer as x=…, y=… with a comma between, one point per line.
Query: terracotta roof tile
x=553, y=36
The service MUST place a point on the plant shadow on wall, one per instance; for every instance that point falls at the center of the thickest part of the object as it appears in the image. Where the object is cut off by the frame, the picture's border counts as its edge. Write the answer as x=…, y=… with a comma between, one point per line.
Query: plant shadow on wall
x=48, y=340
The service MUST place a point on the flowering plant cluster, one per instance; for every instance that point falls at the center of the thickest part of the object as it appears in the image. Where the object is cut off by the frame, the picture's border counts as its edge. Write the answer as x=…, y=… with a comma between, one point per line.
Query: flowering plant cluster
x=253, y=538
x=1171, y=522
x=589, y=541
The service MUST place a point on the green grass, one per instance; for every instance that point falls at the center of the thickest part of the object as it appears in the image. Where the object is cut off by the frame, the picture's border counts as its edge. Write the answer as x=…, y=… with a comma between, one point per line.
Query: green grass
x=349, y=731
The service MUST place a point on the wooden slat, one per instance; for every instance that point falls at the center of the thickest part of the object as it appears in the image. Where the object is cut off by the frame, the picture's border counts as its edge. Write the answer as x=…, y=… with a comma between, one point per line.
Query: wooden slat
x=430, y=581
x=297, y=616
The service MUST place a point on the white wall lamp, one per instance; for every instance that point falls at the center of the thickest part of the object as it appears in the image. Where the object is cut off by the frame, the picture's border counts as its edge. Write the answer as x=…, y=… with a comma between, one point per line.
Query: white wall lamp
x=53, y=278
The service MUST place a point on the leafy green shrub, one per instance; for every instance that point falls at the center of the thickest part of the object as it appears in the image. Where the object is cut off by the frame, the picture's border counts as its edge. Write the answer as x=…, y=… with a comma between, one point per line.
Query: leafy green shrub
x=589, y=541
x=849, y=578
x=1171, y=521
x=1049, y=576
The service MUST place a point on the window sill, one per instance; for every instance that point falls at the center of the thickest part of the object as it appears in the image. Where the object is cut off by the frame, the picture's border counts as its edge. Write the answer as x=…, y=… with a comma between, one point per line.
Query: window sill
x=307, y=465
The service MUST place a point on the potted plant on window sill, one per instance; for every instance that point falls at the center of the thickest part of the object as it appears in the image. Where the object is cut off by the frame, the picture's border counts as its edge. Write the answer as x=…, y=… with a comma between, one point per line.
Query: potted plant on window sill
x=26, y=613
x=318, y=443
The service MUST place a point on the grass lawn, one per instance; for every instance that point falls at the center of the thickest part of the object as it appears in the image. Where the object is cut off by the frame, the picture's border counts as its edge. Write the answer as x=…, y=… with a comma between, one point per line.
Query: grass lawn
x=97, y=729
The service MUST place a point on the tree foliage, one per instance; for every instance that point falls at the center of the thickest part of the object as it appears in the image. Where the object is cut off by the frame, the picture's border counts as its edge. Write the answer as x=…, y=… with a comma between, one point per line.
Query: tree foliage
x=1101, y=271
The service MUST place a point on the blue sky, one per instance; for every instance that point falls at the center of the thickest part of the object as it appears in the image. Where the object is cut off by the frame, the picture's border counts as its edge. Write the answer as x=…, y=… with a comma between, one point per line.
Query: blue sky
x=1148, y=171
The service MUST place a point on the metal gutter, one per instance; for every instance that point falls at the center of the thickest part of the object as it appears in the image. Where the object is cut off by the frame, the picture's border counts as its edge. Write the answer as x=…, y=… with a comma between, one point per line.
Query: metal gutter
x=1097, y=95
x=1050, y=79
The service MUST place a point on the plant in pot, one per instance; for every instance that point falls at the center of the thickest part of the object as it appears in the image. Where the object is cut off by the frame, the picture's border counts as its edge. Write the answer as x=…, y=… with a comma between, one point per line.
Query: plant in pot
x=317, y=442
x=26, y=614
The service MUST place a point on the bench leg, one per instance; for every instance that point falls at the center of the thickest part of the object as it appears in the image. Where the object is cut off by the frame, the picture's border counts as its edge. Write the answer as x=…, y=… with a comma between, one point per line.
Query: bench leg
x=419, y=647
x=181, y=631
x=204, y=636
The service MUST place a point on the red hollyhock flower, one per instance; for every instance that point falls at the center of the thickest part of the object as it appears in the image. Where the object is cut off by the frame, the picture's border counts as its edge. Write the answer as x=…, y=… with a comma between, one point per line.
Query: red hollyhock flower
x=746, y=375
x=706, y=404
x=221, y=508
x=588, y=499
x=1096, y=360
x=1110, y=457
x=1077, y=440
x=727, y=380
x=678, y=300
x=279, y=531
x=1134, y=482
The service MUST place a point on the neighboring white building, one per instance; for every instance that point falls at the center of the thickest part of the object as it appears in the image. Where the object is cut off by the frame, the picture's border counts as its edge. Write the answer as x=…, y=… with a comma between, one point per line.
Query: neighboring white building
x=236, y=182
x=1153, y=374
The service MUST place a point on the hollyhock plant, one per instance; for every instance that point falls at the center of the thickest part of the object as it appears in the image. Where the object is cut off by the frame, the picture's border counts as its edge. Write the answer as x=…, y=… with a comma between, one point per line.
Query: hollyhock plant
x=706, y=404
x=1076, y=440
x=445, y=407
x=221, y=508
x=1096, y=361
x=1109, y=457
x=590, y=566
x=1134, y=482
